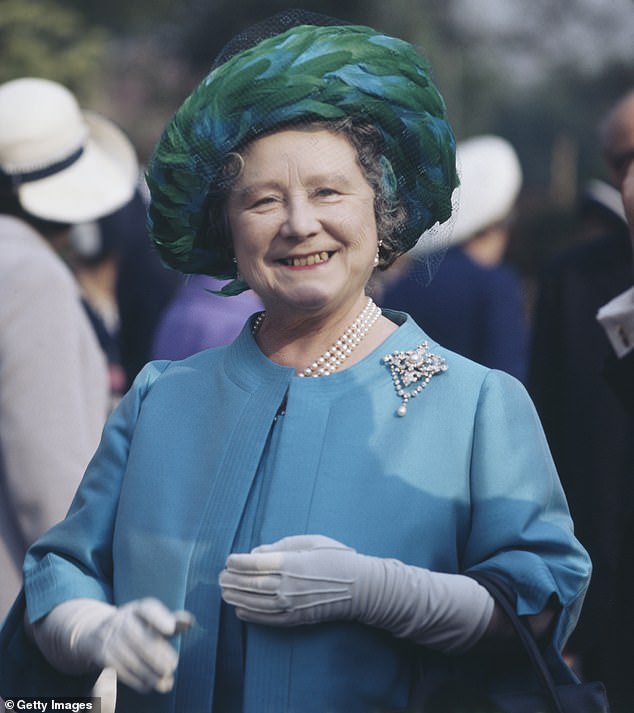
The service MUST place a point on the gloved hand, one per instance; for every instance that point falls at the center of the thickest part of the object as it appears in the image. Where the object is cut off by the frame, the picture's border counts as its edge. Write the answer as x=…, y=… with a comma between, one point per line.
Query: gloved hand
x=307, y=579
x=82, y=635
x=298, y=580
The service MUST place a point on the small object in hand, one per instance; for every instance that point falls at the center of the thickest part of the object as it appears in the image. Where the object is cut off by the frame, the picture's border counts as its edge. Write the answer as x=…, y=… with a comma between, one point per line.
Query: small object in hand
x=184, y=621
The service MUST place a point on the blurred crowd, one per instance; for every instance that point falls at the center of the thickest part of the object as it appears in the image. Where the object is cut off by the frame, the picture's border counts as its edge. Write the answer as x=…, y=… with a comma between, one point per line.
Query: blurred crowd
x=85, y=302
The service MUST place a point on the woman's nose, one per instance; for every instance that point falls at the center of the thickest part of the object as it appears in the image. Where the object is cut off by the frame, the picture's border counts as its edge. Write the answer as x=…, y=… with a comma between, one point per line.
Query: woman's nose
x=301, y=220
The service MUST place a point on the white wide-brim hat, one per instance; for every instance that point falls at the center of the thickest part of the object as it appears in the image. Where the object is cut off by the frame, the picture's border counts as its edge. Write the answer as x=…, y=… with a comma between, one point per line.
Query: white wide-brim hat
x=64, y=164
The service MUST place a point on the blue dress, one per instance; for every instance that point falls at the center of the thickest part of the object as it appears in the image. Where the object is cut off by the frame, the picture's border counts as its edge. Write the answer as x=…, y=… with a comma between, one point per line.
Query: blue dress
x=190, y=468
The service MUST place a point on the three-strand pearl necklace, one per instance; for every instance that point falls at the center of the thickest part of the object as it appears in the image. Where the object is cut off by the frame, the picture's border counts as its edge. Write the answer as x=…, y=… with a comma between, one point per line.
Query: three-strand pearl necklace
x=335, y=355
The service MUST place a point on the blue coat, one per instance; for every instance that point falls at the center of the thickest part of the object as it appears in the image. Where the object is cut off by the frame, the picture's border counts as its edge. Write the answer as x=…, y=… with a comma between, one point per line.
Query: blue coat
x=463, y=481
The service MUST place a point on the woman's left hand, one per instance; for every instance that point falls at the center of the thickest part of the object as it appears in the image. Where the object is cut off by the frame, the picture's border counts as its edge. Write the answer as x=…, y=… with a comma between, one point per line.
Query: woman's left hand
x=304, y=579
x=307, y=579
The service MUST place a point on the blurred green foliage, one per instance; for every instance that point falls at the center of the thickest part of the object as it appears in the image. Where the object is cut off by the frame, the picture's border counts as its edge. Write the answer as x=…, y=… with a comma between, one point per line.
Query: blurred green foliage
x=124, y=16
x=45, y=39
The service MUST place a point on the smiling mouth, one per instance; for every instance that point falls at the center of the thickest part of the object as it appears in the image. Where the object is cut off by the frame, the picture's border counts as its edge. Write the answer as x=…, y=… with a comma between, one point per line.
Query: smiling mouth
x=305, y=260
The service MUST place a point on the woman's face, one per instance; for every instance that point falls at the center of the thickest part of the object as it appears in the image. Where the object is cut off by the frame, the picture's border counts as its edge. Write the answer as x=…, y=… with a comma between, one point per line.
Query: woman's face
x=302, y=219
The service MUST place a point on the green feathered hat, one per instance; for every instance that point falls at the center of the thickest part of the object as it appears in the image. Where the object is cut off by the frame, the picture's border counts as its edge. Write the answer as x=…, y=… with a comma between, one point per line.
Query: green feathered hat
x=310, y=71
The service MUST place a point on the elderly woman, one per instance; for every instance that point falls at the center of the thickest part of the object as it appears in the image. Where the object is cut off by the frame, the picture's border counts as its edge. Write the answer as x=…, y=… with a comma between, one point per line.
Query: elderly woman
x=308, y=501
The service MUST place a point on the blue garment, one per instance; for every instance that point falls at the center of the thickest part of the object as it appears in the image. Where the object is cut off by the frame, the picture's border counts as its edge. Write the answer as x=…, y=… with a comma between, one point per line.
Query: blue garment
x=463, y=481
x=474, y=310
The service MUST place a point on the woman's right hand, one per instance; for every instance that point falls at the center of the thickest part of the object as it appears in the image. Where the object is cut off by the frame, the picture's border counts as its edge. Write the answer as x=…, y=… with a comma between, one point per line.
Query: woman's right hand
x=85, y=634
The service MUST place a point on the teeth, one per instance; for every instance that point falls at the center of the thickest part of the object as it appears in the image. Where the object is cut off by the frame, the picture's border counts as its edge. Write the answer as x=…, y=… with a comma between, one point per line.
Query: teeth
x=308, y=260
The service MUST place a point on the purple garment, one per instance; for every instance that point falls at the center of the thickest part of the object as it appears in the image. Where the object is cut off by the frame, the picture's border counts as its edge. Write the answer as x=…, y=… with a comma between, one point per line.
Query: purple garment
x=195, y=319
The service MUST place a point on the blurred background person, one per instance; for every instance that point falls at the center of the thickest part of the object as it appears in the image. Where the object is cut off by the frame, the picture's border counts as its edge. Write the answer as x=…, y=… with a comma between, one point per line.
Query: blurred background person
x=125, y=287
x=474, y=303
x=95, y=259
x=599, y=212
x=197, y=319
x=617, y=318
x=144, y=286
x=58, y=166
x=591, y=435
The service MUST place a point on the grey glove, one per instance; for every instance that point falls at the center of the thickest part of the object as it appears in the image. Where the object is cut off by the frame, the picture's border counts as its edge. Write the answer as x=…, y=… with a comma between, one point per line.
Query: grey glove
x=307, y=579
x=82, y=635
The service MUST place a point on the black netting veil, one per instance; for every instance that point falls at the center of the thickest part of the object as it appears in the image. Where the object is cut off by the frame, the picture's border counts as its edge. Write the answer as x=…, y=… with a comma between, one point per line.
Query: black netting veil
x=272, y=26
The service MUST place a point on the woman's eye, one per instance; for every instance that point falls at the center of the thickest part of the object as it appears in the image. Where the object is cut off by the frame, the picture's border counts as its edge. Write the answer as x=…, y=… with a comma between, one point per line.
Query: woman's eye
x=265, y=200
x=326, y=192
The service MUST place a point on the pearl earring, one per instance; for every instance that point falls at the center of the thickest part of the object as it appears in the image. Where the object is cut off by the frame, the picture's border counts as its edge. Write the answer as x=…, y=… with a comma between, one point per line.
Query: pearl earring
x=235, y=262
x=377, y=256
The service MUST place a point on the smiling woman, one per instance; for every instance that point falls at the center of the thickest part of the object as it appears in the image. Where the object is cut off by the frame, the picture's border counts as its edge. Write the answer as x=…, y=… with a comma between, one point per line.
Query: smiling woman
x=321, y=530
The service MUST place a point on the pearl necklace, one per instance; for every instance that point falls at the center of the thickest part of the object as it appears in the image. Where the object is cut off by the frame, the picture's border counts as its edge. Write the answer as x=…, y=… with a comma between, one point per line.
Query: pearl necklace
x=334, y=357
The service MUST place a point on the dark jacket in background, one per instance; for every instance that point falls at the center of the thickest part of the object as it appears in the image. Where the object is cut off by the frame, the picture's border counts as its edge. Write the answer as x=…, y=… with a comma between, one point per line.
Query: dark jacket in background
x=592, y=440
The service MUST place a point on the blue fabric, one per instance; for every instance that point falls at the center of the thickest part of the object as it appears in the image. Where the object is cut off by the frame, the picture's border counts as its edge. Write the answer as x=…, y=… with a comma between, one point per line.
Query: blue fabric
x=463, y=481
x=474, y=310
x=228, y=694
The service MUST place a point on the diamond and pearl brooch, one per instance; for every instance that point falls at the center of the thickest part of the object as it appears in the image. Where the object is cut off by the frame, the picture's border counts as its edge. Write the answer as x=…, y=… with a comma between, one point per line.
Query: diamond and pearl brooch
x=411, y=371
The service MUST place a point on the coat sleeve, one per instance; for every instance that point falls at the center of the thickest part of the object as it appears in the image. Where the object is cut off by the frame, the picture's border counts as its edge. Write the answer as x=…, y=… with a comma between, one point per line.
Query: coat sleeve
x=74, y=558
x=521, y=526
